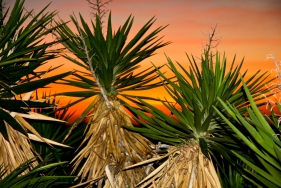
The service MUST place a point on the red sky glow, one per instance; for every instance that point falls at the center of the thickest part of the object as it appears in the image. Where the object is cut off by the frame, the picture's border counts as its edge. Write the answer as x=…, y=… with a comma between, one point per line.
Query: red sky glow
x=250, y=29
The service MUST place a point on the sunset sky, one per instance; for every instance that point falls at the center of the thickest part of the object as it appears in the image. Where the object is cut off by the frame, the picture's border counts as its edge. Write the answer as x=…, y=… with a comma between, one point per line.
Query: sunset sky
x=250, y=29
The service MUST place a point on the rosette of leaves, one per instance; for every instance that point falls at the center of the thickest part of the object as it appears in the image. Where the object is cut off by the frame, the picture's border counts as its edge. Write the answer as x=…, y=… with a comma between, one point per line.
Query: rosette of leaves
x=194, y=130
x=22, y=51
x=111, y=64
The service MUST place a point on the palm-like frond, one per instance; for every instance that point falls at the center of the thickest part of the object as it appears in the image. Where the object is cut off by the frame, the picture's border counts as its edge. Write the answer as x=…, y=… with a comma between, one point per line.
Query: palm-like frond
x=195, y=93
x=113, y=58
x=194, y=121
x=261, y=138
x=22, y=51
x=56, y=131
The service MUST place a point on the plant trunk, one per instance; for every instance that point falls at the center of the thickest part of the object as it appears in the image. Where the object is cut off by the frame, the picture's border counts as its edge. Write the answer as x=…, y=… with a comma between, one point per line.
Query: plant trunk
x=186, y=167
x=107, y=147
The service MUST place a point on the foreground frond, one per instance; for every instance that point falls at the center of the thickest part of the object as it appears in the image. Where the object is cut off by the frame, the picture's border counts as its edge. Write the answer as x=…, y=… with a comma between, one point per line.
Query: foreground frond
x=15, y=151
x=40, y=177
x=22, y=51
x=261, y=138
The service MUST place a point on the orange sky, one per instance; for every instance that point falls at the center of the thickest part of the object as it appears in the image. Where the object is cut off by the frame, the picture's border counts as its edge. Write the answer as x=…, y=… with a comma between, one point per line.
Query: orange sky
x=250, y=29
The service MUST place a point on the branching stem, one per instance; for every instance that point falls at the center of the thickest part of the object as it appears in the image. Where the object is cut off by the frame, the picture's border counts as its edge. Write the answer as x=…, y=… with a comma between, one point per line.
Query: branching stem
x=211, y=39
x=98, y=9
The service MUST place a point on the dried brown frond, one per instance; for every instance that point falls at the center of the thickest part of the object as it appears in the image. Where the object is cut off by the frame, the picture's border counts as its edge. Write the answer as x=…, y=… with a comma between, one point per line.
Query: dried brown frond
x=15, y=151
x=186, y=166
x=107, y=148
x=18, y=148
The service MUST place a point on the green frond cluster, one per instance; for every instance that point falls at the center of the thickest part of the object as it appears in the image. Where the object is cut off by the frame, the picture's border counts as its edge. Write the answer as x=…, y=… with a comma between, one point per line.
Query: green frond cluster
x=262, y=139
x=113, y=58
x=21, y=53
x=195, y=93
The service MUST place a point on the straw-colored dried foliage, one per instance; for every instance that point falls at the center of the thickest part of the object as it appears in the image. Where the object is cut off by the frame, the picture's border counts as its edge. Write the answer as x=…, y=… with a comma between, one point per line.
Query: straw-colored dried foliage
x=18, y=149
x=109, y=147
x=186, y=166
x=15, y=151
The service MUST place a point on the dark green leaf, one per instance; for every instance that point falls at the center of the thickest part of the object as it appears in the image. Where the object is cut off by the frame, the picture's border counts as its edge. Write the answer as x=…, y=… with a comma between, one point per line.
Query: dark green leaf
x=11, y=121
x=204, y=147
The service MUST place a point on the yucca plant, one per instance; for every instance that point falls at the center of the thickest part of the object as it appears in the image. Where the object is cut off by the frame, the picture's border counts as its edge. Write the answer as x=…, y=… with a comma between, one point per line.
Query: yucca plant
x=194, y=130
x=261, y=138
x=111, y=63
x=22, y=51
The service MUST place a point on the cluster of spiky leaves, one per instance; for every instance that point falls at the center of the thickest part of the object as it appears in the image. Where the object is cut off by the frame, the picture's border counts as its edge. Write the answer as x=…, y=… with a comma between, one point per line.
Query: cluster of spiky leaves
x=57, y=132
x=22, y=50
x=40, y=176
x=195, y=94
x=261, y=138
x=193, y=117
x=21, y=53
x=112, y=57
